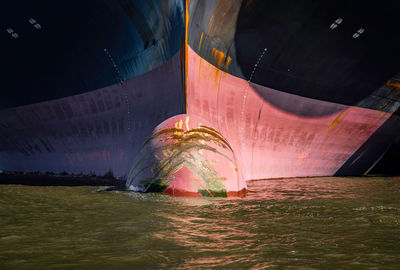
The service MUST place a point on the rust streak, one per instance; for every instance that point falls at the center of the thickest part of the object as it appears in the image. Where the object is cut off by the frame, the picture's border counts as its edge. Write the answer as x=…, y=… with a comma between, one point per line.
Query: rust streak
x=336, y=121
x=394, y=83
x=367, y=126
x=383, y=106
x=228, y=61
x=216, y=77
x=186, y=49
x=201, y=39
x=220, y=60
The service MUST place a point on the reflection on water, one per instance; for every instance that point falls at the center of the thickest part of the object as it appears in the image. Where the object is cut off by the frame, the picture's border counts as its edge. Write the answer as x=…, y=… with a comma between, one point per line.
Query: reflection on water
x=314, y=223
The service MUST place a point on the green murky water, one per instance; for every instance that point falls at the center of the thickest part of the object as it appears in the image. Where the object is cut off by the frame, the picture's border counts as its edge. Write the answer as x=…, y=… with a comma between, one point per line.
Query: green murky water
x=316, y=223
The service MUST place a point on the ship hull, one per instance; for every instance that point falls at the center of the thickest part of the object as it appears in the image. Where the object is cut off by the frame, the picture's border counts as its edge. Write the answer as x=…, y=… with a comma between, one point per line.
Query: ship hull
x=273, y=143
x=91, y=133
x=296, y=89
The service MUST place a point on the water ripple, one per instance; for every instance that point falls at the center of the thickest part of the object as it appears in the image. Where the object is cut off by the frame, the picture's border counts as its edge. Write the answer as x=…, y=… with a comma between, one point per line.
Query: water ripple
x=315, y=223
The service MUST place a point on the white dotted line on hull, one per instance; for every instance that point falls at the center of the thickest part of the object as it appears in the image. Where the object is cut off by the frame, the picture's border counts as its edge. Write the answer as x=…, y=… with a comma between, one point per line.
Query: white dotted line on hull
x=126, y=99
x=242, y=122
x=114, y=65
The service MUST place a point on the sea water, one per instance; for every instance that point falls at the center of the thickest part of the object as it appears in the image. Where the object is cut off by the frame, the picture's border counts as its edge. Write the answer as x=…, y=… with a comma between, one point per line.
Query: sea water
x=304, y=223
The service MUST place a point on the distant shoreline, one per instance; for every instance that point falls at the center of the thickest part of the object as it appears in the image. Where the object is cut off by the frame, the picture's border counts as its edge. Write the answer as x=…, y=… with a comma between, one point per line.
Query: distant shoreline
x=65, y=179
x=42, y=179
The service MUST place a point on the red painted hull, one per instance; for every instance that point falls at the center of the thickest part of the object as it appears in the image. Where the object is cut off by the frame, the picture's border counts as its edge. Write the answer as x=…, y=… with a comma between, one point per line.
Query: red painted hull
x=268, y=141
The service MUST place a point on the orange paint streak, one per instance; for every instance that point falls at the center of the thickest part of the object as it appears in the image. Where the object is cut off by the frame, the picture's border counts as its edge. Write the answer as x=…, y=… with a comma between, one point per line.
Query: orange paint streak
x=382, y=106
x=216, y=77
x=201, y=39
x=394, y=83
x=336, y=121
x=187, y=2
x=228, y=61
x=220, y=59
x=200, y=64
x=368, y=126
